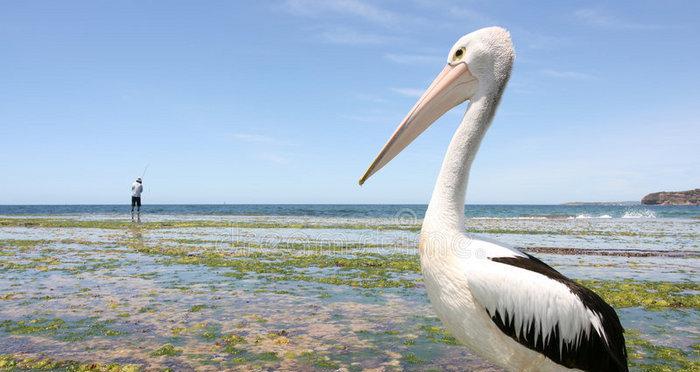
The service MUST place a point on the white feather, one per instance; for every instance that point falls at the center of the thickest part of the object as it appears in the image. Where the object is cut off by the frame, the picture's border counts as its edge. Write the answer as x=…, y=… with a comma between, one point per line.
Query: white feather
x=527, y=296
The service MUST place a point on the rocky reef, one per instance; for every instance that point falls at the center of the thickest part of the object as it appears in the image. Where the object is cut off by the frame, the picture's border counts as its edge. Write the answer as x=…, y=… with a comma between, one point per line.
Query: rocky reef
x=690, y=197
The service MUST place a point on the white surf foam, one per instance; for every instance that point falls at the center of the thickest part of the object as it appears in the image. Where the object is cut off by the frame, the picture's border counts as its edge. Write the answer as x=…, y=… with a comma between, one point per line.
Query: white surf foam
x=585, y=216
x=645, y=213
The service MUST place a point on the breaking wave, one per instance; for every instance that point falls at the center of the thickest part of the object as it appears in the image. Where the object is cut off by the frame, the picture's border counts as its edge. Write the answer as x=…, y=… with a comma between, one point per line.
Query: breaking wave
x=584, y=216
x=645, y=213
x=544, y=217
x=627, y=214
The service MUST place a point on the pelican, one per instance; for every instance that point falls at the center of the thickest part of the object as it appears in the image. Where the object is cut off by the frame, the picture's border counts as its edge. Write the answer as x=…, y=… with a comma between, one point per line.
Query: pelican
x=505, y=305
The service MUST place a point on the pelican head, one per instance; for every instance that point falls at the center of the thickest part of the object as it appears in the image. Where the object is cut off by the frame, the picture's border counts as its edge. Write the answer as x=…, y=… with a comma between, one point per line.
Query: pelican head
x=478, y=64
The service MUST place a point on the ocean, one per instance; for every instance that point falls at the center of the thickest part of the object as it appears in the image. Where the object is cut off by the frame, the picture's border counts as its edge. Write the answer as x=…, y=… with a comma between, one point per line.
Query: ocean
x=598, y=211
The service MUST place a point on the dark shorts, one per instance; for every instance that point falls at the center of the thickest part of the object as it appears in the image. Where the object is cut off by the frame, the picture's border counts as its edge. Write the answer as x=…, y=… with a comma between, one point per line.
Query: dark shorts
x=135, y=200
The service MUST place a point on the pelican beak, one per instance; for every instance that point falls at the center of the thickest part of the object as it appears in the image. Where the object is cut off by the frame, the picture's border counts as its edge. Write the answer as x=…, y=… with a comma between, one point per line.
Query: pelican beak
x=452, y=86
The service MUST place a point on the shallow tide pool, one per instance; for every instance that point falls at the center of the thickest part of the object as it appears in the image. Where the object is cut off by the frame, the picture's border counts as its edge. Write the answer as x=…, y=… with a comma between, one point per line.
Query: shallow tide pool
x=331, y=294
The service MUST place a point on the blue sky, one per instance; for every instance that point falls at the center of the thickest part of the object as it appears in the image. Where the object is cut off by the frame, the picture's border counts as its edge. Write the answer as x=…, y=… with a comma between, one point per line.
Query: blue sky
x=289, y=101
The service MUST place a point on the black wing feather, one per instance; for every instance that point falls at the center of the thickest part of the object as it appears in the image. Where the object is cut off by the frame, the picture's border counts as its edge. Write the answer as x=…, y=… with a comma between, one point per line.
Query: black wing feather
x=592, y=353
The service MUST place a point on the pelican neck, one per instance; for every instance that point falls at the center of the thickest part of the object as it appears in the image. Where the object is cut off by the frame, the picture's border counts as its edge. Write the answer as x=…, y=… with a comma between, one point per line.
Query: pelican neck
x=446, y=208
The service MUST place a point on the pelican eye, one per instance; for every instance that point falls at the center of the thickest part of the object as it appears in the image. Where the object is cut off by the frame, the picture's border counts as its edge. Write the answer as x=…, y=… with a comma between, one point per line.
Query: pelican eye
x=458, y=54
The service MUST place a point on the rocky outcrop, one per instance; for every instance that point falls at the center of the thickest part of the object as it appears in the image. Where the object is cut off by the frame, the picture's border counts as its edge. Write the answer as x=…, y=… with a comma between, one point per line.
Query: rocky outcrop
x=690, y=197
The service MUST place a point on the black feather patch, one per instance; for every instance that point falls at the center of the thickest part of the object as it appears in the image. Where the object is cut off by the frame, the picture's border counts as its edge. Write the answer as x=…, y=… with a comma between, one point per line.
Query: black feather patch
x=592, y=353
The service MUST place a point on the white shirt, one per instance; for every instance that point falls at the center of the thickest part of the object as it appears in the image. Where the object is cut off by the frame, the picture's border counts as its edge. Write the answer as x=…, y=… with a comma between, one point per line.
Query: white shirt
x=136, y=189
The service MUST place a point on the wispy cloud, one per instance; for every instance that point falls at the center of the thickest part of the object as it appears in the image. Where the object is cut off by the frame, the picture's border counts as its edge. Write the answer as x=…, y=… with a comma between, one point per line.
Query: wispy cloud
x=265, y=147
x=254, y=138
x=341, y=14
x=571, y=75
x=538, y=41
x=408, y=92
x=369, y=98
x=274, y=158
x=412, y=59
x=351, y=37
x=358, y=22
x=373, y=118
x=600, y=19
x=455, y=9
x=470, y=15
x=356, y=8
x=261, y=139
x=522, y=86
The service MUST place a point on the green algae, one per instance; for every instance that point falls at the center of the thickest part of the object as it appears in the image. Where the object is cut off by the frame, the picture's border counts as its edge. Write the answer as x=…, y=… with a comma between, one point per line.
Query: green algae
x=60, y=329
x=362, y=270
x=279, y=337
x=154, y=225
x=25, y=245
x=231, y=342
x=166, y=350
x=646, y=294
x=9, y=362
x=177, y=331
x=647, y=356
x=48, y=262
x=92, y=265
x=257, y=318
x=438, y=335
x=21, y=245
x=311, y=358
x=112, y=304
x=210, y=332
x=197, y=308
x=8, y=296
x=148, y=309
x=190, y=241
x=412, y=358
x=9, y=265
x=32, y=326
x=366, y=283
x=242, y=356
x=316, y=246
x=558, y=232
x=268, y=356
x=145, y=276
x=42, y=263
x=367, y=270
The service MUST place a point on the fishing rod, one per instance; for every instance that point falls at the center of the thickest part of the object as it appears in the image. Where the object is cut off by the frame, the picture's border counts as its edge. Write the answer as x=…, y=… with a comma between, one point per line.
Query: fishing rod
x=144, y=171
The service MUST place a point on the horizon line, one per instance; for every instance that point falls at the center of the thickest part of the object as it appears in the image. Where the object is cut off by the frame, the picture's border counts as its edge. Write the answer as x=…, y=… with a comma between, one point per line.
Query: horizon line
x=156, y=204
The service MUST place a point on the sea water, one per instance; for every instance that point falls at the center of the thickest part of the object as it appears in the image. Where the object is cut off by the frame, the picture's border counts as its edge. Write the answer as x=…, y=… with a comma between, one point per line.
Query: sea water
x=583, y=211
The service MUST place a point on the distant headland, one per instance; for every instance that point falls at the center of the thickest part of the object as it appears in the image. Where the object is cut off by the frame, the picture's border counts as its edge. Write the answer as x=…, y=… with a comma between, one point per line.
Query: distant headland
x=690, y=197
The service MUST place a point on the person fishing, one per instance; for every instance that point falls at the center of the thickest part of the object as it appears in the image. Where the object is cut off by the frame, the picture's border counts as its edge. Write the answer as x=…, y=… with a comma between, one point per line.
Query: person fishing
x=136, y=190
